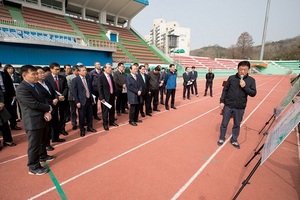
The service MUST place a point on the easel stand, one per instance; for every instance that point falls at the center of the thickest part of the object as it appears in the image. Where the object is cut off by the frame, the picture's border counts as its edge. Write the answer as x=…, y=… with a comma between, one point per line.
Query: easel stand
x=255, y=154
x=266, y=132
x=246, y=181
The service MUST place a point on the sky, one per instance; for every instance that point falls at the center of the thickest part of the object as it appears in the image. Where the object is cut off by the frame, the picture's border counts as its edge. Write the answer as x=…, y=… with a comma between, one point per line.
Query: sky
x=222, y=22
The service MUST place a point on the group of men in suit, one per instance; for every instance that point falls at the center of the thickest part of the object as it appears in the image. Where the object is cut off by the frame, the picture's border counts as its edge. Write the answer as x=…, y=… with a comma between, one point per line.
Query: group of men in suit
x=189, y=83
x=44, y=100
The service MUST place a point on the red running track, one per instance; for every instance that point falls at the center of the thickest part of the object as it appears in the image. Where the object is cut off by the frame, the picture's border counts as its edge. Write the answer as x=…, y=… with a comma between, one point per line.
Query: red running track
x=172, y=155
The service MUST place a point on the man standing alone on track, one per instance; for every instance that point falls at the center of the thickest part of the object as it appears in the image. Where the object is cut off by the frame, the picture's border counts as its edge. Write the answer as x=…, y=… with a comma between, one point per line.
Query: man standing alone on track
x=233, y=101
x=209, y=82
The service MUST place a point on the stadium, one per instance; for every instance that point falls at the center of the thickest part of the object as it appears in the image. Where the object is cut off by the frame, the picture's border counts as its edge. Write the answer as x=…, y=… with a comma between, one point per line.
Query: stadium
x=173, y=155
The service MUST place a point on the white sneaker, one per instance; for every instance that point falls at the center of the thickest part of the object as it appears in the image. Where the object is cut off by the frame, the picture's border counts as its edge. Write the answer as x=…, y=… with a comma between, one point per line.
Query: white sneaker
x=220, y=142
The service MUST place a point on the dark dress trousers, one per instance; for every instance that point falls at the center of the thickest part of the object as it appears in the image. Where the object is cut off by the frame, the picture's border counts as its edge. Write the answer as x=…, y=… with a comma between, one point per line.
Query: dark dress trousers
x=108, y=115
x=133, y=86
x=79, y=94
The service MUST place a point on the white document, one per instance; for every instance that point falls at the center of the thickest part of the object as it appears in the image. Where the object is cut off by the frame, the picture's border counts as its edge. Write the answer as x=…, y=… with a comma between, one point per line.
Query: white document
x=94, y=98
x=107, y=104
x=13, y=101
x=124, y=90
x=58, y=93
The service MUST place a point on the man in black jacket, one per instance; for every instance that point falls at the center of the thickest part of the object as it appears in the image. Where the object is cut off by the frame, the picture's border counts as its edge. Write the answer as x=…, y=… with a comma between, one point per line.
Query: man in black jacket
x=121, y=90
x=233, y=101
x=209, y=82
x=94, y=74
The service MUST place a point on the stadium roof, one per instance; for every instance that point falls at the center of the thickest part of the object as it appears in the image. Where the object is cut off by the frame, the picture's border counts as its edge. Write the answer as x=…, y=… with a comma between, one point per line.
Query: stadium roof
x=122, y=10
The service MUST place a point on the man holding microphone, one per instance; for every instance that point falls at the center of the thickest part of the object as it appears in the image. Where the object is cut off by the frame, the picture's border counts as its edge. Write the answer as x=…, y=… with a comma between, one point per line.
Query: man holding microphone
x=233, y=101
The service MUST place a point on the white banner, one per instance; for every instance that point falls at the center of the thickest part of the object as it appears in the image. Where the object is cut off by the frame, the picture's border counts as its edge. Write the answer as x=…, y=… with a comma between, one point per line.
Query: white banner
x=282, y=128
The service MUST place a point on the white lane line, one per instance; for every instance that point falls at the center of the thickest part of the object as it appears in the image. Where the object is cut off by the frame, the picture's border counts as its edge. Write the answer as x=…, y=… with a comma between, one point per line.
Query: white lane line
x=123, y=154
x=135, y=148
x=198, y=172
x=101, y=131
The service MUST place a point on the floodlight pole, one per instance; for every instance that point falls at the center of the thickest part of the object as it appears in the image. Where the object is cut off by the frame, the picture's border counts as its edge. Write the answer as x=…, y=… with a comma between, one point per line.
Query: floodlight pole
x=265, y=31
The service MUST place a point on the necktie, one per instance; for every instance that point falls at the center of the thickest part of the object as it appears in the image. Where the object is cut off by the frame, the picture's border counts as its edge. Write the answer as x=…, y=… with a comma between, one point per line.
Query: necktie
x=111, y=90
x=87, y=92
x=57, y=83
x=37, y=91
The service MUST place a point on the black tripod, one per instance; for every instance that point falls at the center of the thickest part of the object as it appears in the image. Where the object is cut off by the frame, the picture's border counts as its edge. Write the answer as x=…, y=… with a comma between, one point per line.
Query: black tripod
x=266, y=132
x=246, y=181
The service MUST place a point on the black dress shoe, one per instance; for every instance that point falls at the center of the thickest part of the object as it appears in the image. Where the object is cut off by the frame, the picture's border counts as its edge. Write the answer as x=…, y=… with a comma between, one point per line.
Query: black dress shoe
x=133, y=123
x=10, y=144
x=162, y=103
x=157, y=110
x=143, y=114
x=97, y=118
x=106, y=127
x=91, y=130
x=64, y=132
x=138, y=121
x=74, y=127
x=113, y=124
x=124, y=112
x=167, y=108
x=47, y=158
x=49, y=148
x=59, y=140
x=149, y=114
x=38, y=171
x=173, y=107
x=118, y=113
x=82, y=133
x=16, y=128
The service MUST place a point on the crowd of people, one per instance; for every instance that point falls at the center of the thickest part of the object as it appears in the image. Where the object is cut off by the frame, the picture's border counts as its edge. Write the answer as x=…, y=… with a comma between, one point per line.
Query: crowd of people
x=47, y=99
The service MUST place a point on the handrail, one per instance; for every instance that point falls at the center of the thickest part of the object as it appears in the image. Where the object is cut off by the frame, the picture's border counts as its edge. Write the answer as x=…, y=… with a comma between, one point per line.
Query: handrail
x=101, y=43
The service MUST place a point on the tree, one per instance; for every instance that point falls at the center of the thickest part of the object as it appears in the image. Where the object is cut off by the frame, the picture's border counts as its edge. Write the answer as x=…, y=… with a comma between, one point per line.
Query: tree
x=244, y=46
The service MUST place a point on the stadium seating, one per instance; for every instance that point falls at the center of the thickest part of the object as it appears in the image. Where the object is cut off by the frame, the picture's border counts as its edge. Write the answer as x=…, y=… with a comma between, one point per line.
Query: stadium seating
x=46, y=26
x=87, y=27
x=142, y=53
x=228, y=63
x=5, y=16
x=46, y=20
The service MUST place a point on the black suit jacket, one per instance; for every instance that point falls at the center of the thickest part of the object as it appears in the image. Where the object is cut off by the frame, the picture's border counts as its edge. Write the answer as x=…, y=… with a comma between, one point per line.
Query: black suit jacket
x=9, y=87
x=33, y=106
x=145, y=84
x=103, y=87
x=44, y=92
x=186, y=78
x=63, y=85
x=78, y=90
x=133, y=86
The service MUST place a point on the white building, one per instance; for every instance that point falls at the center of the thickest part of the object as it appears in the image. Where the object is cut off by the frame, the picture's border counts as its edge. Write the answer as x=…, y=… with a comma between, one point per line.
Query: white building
x=162, y=30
